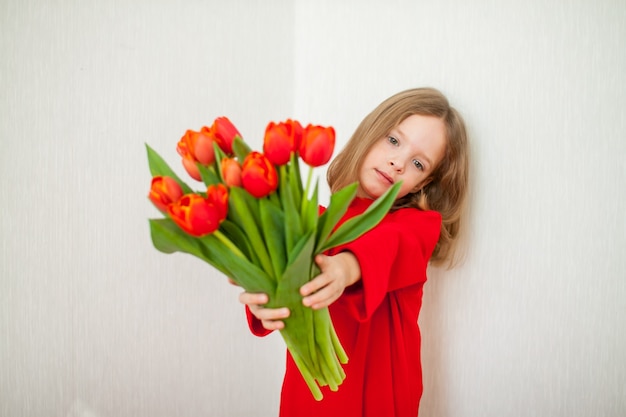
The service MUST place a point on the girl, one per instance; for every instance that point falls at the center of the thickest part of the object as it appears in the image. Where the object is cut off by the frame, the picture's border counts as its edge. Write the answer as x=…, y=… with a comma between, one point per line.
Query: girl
x=373, y=285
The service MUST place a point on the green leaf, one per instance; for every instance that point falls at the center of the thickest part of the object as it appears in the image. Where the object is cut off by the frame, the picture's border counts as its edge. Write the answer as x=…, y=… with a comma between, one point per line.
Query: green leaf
x=273, y=223
x=245, y=273
x=240, y=239
x=240, y=149
x=360, y=224
x=167, y=237
x=158, y=166
x=298, y=328
x=208, y=174
x=310, y=211
x=295, y=180
x=339, y=203
x=296, y=274
x=243, y=210
x=293, y=223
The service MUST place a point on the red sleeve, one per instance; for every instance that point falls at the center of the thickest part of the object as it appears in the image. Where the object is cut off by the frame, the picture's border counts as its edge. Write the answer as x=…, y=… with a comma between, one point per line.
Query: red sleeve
x=393, y=255
x=255, y=325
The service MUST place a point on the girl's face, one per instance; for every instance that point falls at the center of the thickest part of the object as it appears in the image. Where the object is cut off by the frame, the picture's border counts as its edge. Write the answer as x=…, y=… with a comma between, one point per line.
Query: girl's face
x=409, y=153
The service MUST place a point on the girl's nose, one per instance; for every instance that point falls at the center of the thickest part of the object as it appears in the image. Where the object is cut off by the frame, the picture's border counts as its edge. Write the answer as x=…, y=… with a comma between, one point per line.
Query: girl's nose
x=395, y=165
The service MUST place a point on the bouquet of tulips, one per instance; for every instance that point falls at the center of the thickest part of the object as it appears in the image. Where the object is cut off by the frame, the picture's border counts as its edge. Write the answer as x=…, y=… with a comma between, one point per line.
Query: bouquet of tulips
x=258, y=223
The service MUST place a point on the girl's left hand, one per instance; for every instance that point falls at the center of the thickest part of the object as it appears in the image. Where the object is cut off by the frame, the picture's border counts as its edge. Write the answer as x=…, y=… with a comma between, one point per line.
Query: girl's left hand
x=338, y=272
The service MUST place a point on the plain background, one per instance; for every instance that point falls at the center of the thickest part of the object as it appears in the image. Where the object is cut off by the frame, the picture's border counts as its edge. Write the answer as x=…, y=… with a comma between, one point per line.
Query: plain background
x=94, y=322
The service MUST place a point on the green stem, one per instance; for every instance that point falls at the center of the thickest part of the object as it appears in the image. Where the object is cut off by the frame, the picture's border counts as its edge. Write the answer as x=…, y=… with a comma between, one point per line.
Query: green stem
x=339, y=350
x=308, y=184
x=229, y=244
x=304, y=369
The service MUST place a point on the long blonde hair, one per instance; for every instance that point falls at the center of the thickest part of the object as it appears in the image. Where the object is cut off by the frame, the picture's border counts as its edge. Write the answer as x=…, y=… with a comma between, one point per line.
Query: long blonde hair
x=446, y=193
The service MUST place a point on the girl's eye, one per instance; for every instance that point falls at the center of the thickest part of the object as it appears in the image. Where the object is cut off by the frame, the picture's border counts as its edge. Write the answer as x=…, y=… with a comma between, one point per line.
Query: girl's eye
x=418, y=164
x=393, y=140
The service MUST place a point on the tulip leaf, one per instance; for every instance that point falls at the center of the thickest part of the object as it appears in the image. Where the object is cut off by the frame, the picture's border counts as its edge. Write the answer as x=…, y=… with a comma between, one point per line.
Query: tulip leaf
x=167, y=237
x=295, y=181
x=209, y=176
x=339, y=203
x=240, y=148
x=243, y=272
x=360, y=224
x=243, y=214
x=158, y=166
x=293, y=223
x=297, y=272
x=239, y=238
x=273, y=223
x=219, y=157
x=310, y=211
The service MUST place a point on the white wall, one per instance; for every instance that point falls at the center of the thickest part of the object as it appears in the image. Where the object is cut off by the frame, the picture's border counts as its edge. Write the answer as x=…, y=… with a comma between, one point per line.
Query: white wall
x=95, y=322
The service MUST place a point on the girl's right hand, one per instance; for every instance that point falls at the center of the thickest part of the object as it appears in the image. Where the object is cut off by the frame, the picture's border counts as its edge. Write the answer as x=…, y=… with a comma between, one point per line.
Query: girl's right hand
x=271, y=318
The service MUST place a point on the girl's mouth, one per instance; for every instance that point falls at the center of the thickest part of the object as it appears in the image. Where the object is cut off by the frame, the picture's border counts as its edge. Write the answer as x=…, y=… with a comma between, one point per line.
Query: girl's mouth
x=385, y=176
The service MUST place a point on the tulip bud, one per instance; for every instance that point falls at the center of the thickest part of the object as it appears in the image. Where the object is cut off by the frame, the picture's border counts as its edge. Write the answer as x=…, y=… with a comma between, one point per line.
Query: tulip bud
x=196, y=147
x=164, y=191
x=317, y=146
x=224, y=133
x=231, y=172
x=192, y=168
x=258, y=175
x=280, y=140
x=196, y=215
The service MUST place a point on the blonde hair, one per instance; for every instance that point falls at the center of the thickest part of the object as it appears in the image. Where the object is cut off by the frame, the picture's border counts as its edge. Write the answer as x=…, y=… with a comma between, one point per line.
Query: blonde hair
x=446, y=193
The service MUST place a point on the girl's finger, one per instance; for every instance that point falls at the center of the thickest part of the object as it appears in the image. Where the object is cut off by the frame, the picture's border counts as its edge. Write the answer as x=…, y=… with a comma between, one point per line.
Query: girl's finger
x=322, y=298
x=253, y=298
x=315, y=284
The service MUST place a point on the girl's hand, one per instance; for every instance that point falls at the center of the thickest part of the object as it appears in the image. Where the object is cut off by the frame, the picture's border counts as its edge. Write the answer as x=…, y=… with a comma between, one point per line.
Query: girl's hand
x=271, y=318
x=338, y=272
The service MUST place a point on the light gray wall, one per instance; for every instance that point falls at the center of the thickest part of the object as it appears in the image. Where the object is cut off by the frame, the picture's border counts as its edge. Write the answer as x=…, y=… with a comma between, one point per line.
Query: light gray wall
x=95, y=322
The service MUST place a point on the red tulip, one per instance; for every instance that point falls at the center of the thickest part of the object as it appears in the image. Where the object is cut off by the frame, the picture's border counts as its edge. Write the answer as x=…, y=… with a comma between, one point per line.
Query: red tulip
x=224, y=133
x=280, y=140
x=196, y=215
x=258, y=175
x=196, y=147
x=164, y=191
x=231, y=172
x=217, y=196
x=317, y=145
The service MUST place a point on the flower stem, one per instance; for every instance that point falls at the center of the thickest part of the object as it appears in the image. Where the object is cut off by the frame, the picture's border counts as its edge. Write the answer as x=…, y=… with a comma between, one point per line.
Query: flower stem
x=308, y=183
x=229, y=244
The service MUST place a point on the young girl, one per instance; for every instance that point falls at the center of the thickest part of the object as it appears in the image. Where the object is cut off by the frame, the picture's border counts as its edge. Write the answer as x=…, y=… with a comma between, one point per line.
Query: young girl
x=373, y=285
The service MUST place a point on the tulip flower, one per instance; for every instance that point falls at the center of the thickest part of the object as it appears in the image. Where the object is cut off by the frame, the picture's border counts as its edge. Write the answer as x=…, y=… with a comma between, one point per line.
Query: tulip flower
x=280, y=140
x=317, y=145
x=192, y=169
x=197, y=215
x=224, y=133
x=164, y=191
x=217, y=196
x=196, y=147
x=231, y=172
x=258, y=175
